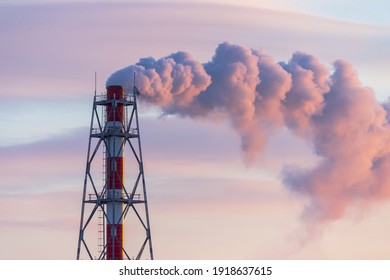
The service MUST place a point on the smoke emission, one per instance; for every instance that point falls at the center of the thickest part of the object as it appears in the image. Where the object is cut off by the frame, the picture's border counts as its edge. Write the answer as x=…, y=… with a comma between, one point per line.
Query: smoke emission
x=347, y=127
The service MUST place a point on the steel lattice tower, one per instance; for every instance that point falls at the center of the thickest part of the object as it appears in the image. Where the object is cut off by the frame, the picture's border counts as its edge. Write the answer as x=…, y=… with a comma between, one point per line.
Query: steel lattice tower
x=119, y=201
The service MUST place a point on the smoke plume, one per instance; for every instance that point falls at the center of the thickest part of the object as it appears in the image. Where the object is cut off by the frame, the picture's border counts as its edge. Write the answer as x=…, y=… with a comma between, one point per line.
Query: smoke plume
x=347, y=127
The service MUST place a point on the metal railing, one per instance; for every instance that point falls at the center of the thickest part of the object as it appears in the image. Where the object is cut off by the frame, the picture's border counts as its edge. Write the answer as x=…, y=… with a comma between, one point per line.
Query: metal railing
x=129, y=97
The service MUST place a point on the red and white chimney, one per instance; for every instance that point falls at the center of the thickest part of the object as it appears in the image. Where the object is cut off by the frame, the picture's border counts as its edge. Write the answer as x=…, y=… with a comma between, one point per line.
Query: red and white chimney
x=114, y=172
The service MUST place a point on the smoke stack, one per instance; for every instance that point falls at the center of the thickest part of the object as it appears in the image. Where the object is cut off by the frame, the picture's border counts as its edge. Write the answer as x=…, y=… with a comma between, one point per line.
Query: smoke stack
x=115, y=129
x=114, y=173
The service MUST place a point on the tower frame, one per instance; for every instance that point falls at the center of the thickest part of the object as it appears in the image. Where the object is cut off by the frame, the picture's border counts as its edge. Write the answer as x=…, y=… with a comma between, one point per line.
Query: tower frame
x=113, y=130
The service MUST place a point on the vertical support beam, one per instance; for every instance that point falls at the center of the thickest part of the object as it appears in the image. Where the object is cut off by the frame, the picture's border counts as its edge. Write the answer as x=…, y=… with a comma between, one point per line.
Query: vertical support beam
x=141, y=167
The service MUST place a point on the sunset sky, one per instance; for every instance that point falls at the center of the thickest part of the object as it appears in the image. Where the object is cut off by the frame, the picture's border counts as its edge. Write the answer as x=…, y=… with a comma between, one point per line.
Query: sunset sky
x=206, y=199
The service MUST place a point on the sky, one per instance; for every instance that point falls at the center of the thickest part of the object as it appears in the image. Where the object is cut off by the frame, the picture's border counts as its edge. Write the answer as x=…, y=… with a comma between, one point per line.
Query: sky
x=206, y=200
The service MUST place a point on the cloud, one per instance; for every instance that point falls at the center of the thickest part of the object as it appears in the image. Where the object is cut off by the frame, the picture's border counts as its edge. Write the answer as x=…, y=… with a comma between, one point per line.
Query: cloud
x=95, y=32
x=38, y=166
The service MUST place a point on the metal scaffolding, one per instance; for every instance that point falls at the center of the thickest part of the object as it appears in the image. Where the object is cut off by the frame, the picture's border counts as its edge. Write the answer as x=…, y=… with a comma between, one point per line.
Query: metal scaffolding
x=97, y=239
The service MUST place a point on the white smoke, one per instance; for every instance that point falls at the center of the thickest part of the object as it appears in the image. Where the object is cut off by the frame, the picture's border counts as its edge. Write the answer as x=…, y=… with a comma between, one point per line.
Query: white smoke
x=348, y=128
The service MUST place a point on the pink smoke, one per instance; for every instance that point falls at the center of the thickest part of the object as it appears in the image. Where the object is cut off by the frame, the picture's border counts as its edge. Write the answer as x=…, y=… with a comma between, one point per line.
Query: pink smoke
x=342, y=119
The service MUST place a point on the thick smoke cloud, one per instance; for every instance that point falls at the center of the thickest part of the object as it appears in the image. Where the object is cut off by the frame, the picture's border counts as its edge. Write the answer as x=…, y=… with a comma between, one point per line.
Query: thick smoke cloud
x=347, y=127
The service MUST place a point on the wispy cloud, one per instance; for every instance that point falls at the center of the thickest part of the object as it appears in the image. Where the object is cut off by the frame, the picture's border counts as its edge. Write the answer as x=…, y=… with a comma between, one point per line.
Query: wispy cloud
x=39, y=166
x=95, y=32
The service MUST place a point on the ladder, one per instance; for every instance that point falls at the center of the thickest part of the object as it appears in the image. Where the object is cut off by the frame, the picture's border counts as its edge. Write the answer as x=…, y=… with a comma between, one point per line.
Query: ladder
x=101, y=220
x=101, y=231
